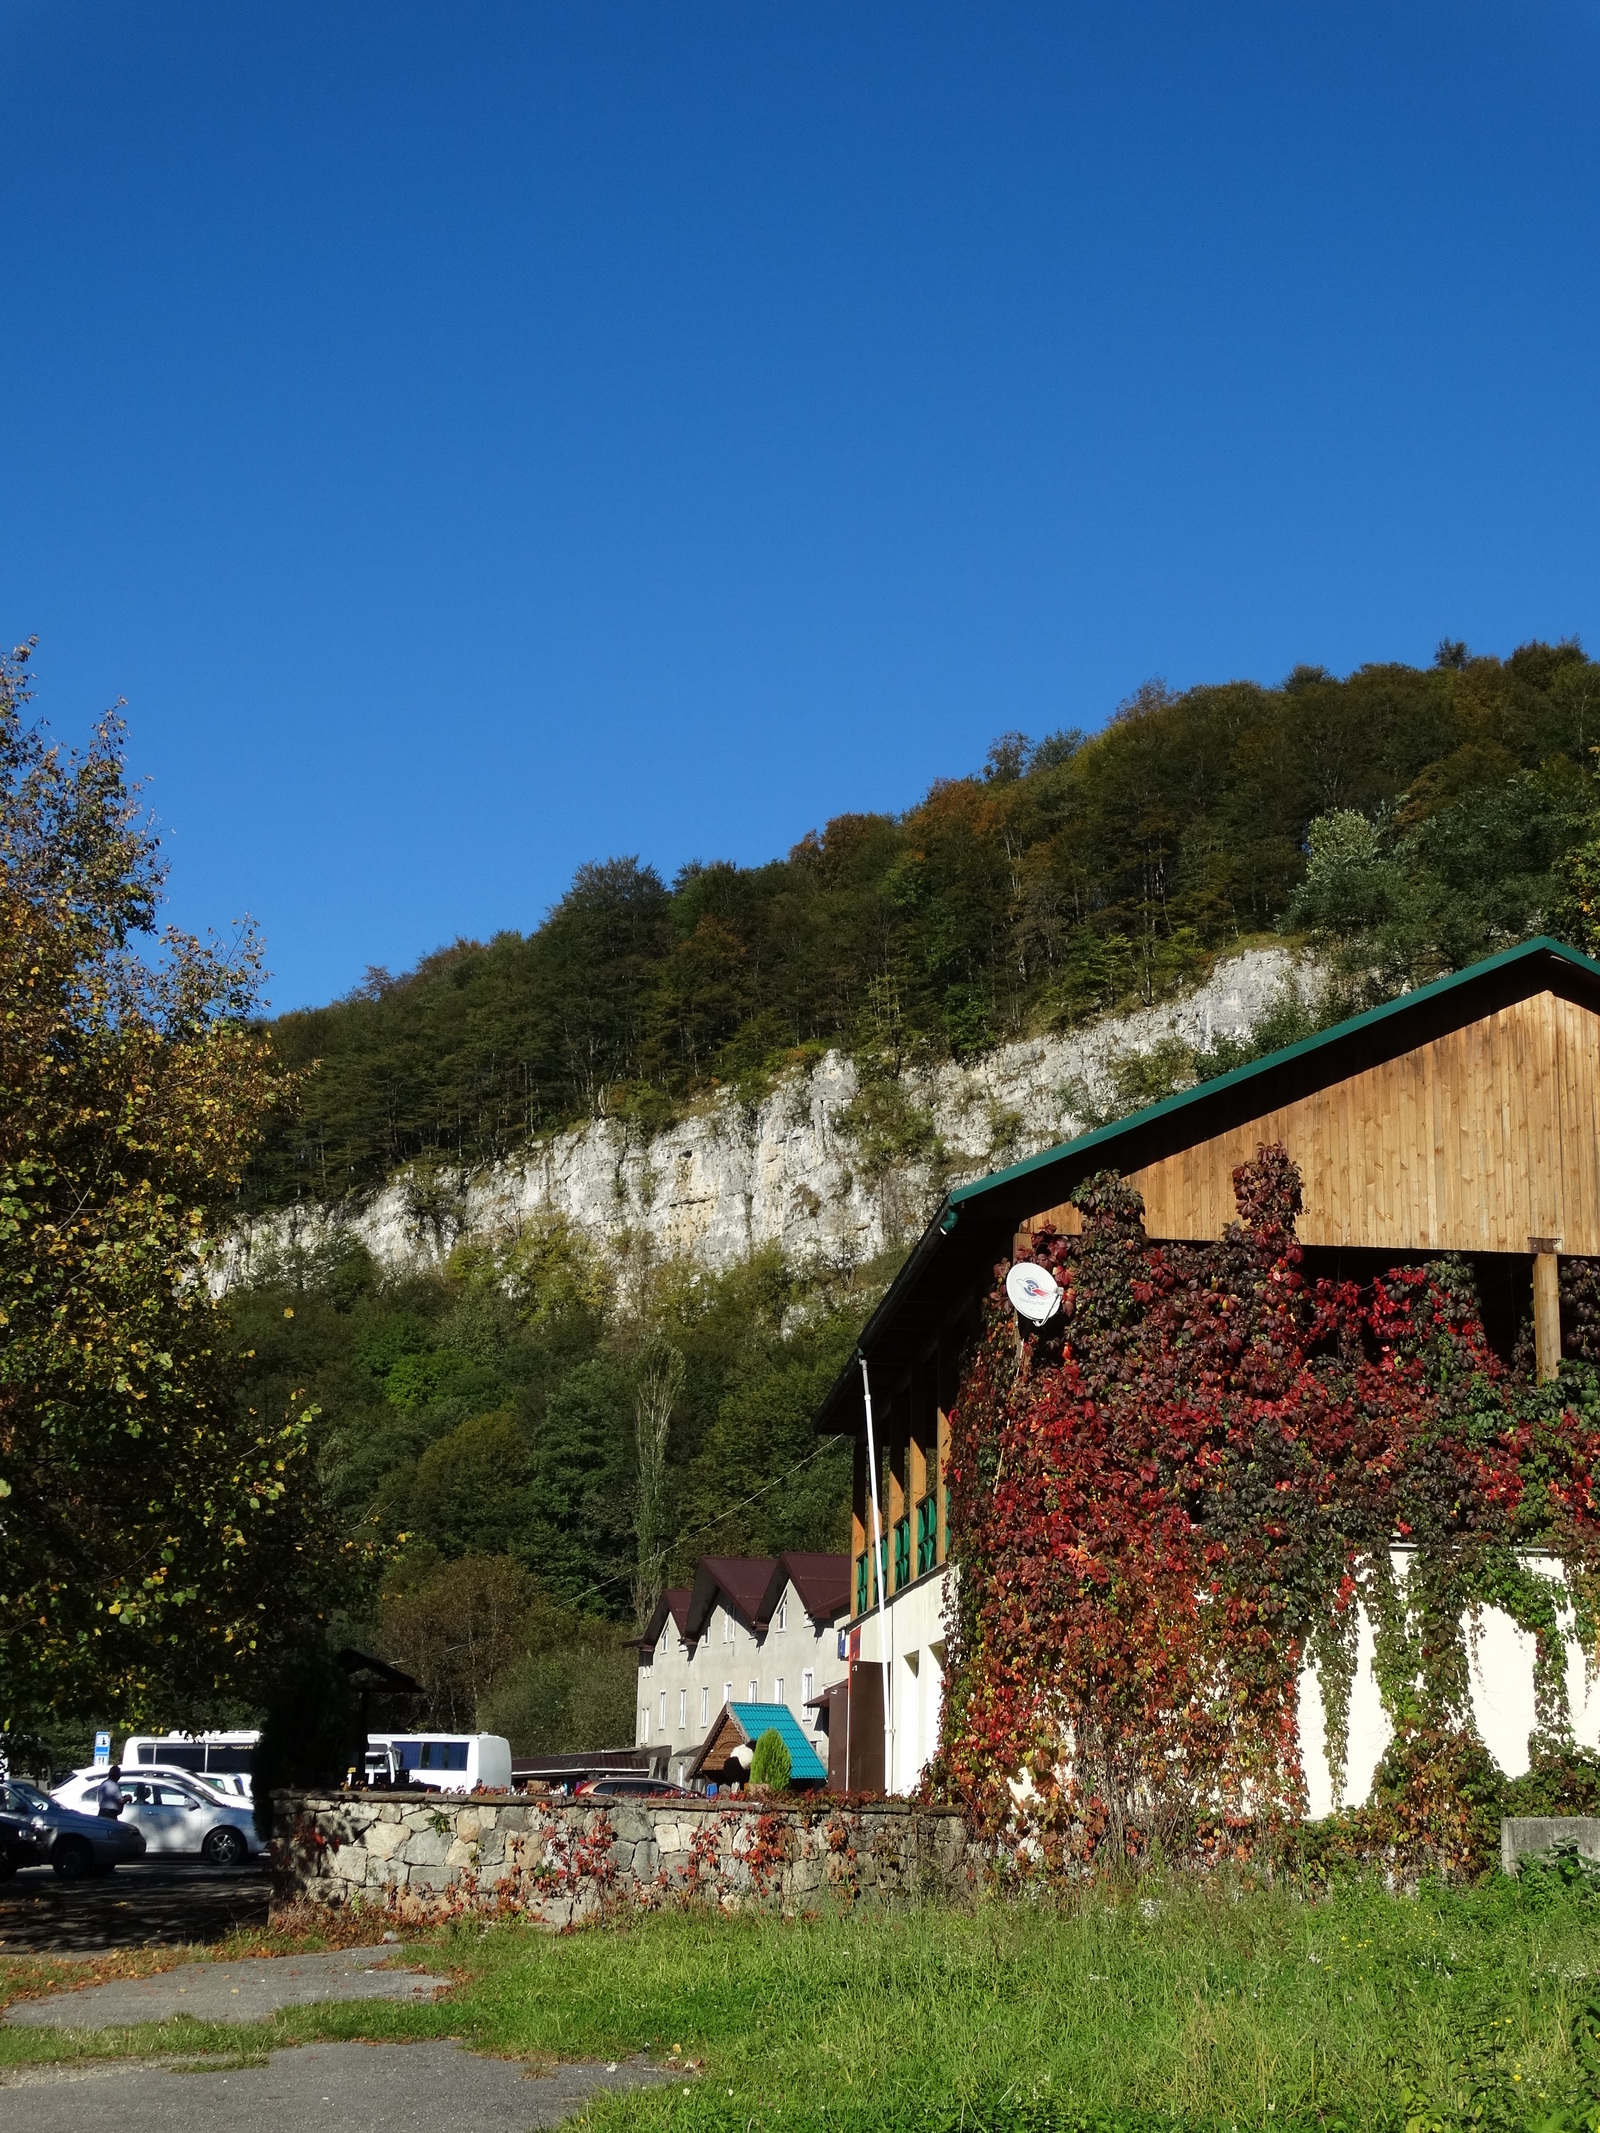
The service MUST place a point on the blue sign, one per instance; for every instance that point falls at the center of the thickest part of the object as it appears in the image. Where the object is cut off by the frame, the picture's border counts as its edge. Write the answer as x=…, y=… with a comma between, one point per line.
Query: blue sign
x=102, y=1750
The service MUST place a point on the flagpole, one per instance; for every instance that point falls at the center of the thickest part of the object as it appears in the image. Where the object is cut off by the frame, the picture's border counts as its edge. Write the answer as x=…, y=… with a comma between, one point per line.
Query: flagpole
x=880, y=1569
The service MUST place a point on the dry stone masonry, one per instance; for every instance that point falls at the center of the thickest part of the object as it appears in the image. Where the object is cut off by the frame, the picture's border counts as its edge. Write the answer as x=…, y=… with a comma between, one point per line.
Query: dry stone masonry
x=415, y=1856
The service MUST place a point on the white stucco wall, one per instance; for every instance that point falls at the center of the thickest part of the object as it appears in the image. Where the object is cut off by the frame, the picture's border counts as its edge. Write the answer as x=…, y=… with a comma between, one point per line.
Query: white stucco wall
x=1500, y=1675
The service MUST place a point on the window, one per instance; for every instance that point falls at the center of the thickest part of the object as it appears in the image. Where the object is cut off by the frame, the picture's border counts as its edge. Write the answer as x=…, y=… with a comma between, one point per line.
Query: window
x=705, y=1707
x=777, y=1691
x=727, y=1629
x=683, y=1710
x=755, y=1692
x=902, y=1552
x=861, y=1583
x=927, y=1533
x=663, y=1710
x=808, y=1686
x=783, y=1612
x=644, y=1723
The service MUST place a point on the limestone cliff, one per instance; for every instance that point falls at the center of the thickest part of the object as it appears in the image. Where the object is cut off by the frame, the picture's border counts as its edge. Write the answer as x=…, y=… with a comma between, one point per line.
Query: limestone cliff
x=823, y=1167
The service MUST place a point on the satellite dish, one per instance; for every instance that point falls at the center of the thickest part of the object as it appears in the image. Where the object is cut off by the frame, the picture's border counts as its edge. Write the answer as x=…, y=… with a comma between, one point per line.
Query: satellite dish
x=1033, y=1292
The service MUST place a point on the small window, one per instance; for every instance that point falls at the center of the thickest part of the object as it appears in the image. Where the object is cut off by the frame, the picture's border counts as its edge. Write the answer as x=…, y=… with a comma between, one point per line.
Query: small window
x=663, y=1710
x=777, y=1690
x=727, y=1692
x=705, y=1707
x=644, y=1723
x=783, y=1612
x=683, y=1709
x=755, y=1692
x=808, y=1686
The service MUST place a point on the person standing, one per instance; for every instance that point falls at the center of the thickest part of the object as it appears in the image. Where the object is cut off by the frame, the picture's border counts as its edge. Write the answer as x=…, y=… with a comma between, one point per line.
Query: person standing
x=111, y=1799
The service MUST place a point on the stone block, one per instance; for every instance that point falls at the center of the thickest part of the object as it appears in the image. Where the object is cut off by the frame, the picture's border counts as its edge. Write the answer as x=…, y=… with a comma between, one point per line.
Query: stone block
x=426, y=1847
x=462, y=1853
x=1525, y=1836
x=350, y=1863
x=468, y=1824
x=384, y=1839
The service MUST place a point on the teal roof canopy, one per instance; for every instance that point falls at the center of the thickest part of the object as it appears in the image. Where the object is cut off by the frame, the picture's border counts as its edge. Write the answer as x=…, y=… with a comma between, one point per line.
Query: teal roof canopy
x=754, y=1719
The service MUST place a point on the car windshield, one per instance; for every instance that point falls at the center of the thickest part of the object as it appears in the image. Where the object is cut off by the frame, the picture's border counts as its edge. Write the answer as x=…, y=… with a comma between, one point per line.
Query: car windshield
x=23, y=1800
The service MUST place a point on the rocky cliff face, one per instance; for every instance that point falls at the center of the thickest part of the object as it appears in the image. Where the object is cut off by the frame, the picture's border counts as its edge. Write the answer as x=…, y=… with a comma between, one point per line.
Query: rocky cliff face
x=823, y=1167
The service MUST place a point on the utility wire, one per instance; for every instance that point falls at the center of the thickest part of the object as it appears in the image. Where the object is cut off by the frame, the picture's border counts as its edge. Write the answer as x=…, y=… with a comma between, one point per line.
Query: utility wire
x=622, y=1576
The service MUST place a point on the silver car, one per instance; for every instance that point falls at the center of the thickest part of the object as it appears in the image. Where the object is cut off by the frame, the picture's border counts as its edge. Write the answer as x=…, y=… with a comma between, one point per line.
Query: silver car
x=35, y=1831
x=175, y=1814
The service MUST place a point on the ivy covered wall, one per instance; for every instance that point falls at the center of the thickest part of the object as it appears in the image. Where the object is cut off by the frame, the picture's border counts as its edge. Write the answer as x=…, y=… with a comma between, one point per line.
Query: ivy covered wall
x=1192, y=1483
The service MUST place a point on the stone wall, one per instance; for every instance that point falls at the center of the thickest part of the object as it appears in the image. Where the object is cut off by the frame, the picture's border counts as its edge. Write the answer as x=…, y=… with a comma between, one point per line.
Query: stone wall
x=416, y=1855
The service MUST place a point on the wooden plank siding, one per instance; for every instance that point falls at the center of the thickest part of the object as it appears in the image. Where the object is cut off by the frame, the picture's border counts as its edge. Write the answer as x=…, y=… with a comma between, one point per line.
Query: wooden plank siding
x=1473, y=1142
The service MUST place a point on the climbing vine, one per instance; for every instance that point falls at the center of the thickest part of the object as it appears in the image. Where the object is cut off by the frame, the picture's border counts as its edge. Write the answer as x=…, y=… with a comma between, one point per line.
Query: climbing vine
x=1169, y=1498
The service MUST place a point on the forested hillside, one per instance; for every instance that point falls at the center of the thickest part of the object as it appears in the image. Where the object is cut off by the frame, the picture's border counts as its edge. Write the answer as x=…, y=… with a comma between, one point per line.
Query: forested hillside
x=1068, y=876
x=490, y=1425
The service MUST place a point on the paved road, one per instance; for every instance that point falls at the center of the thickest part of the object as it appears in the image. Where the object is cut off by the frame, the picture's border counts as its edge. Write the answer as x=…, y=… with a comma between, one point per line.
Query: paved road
x=250, y=1991
x=327, y=2088
x=154, y=1904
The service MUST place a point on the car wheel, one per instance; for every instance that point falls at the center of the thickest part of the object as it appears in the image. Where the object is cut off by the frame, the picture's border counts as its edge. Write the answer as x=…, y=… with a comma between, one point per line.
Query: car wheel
x=72, y=1858
x=225, y=1846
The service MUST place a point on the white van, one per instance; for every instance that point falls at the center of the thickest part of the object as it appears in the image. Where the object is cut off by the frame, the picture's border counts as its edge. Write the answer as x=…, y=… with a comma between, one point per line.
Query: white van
x=224, y=1760
x=440, y=1762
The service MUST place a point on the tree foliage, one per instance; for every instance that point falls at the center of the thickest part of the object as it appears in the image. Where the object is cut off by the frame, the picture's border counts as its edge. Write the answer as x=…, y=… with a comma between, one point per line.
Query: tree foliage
x=149, y=1523
x=1413, y=819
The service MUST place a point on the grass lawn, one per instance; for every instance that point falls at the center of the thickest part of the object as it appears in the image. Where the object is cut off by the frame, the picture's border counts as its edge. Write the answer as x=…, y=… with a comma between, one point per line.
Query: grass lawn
x=1161, y=2006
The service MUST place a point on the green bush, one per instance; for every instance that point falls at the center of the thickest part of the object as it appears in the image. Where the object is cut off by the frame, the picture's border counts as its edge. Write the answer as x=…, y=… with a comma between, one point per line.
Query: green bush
x=770, y=1766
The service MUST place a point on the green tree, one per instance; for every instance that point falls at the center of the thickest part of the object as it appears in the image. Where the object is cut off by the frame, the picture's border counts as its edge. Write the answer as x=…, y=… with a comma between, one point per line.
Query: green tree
x=770, y=1766
x=152, y=1532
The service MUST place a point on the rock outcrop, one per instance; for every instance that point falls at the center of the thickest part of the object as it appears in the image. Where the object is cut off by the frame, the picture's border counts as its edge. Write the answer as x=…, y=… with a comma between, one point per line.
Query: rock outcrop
x=824, y=1168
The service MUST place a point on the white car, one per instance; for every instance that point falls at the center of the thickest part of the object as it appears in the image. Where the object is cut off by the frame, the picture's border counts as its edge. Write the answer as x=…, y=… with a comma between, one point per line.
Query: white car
x=176, y=1815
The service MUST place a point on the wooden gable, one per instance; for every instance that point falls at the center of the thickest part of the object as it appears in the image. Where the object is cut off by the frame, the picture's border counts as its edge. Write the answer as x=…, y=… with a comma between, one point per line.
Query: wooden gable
x=1478, y=1139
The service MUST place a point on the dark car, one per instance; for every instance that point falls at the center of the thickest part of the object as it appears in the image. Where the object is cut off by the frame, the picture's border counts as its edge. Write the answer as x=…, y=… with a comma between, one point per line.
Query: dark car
x=626, y=1786
x=34, y=1831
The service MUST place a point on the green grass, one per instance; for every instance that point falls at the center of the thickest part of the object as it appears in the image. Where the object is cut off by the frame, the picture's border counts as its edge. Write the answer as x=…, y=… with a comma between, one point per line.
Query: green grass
x=1164, y=2006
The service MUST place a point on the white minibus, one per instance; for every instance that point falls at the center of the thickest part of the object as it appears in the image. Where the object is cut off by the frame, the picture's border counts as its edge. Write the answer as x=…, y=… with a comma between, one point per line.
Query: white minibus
x=440, y=1762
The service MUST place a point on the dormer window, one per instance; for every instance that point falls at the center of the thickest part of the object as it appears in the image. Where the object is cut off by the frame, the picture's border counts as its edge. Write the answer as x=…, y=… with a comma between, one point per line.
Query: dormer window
x=783, y=1612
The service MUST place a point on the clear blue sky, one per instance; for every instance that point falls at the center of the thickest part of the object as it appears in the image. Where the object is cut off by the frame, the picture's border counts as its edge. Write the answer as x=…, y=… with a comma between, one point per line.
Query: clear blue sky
x=479, y=438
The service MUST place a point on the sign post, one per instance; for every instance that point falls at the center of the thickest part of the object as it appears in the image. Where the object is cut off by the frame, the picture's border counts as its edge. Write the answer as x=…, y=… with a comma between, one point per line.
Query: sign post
x=102, y=1749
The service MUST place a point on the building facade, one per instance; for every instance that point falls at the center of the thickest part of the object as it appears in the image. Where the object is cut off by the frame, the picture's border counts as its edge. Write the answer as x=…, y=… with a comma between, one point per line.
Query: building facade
x=1463, y=1118
x=750, y=1630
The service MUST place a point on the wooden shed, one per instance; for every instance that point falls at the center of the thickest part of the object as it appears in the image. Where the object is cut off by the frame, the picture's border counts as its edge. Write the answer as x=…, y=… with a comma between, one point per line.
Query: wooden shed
x=1463, y=1118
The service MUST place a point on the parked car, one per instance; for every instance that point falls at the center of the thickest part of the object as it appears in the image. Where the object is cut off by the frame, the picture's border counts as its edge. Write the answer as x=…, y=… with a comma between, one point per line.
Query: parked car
x=224, y=1761
x=627, y=1786
x=175, y=1815
x=36, y=1830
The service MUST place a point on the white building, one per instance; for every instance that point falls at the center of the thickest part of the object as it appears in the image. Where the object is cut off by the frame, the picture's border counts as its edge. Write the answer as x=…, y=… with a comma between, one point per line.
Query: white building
x=751, y=1629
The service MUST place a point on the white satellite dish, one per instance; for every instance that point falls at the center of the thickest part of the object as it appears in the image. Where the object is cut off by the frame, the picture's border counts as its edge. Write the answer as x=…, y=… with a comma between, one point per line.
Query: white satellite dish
x=1033, y=1292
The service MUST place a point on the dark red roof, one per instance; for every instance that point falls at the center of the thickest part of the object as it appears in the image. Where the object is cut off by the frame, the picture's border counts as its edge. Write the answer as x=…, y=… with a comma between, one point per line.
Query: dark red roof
x=754, y=1584
x=675, y=1602
x=741, y=1579
x=822, y=1581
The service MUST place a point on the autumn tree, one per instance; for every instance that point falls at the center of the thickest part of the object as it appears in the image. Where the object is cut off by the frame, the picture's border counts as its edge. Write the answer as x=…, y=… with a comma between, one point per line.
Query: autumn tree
x=151, y=1527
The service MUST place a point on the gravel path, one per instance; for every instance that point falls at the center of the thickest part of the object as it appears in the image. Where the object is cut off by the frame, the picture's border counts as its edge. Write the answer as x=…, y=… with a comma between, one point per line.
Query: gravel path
x=325, y=2088
x=229, y=1992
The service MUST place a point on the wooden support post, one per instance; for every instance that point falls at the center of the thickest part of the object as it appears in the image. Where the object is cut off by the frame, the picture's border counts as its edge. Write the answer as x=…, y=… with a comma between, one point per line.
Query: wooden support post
x=1546, y=1307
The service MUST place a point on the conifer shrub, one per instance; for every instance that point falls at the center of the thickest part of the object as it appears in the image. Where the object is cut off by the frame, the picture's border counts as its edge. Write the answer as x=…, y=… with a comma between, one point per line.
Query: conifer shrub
x=770, y=1766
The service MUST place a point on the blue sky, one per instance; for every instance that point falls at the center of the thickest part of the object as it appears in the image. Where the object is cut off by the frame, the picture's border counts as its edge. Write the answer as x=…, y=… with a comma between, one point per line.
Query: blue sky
x=477, y=439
